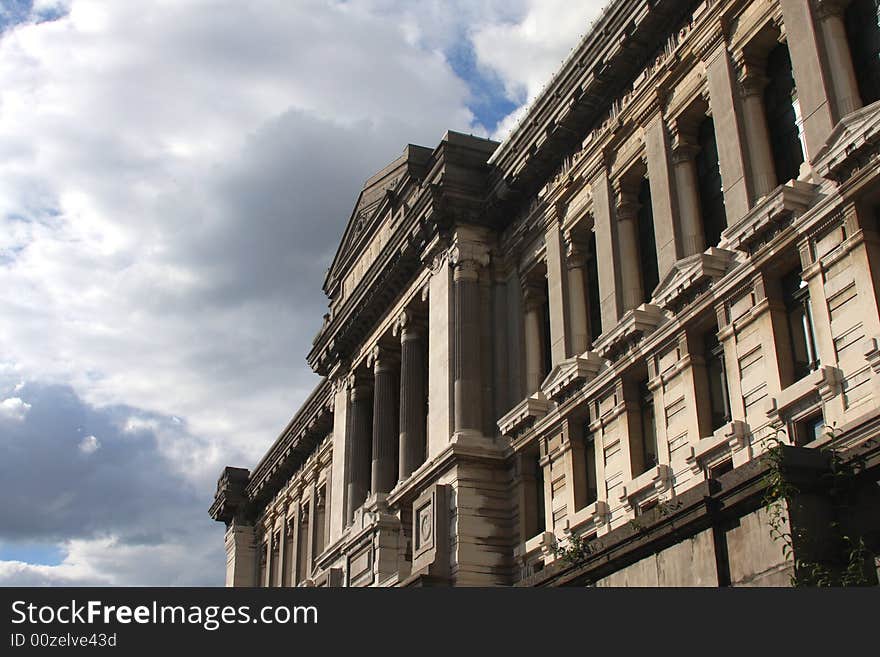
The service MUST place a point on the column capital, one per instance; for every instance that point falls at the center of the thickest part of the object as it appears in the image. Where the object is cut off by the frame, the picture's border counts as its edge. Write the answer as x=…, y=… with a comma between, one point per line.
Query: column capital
x=750, y=74
x=533, y=292
x=381, y=359
x=359, y=386
x=576, y=255
x=468, y=257
x=825, y=9
x=683, y=143
x=409, y=325
x=626, y=201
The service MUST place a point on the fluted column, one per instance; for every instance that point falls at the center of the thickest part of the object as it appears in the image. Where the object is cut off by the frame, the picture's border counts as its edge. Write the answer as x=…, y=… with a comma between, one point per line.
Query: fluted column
x=752, y=82
x=829, y=14
x=360, y=437
x=412, y=394
x=579, y=311
x=386, y=430
x=533, y=300
x=627, y=209
x=467, y=346
x=684, y=153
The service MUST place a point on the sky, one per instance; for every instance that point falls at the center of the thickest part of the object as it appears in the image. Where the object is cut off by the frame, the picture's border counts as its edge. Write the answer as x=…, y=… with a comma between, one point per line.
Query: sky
x=175, y=176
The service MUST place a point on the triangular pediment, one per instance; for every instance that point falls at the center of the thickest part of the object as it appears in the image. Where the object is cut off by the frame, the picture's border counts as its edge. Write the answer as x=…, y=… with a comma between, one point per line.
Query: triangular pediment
x=687, y=272
x=375, y=204
x=854, y=138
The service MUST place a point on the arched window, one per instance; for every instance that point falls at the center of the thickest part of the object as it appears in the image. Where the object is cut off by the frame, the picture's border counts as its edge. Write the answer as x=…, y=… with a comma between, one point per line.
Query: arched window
x=863, y=34
x=783, y=115
x=709, y=184
x=647, y=244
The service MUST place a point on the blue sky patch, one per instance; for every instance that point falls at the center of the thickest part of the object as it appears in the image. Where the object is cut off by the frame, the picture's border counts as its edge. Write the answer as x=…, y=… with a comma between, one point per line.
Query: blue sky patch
x=488, y=100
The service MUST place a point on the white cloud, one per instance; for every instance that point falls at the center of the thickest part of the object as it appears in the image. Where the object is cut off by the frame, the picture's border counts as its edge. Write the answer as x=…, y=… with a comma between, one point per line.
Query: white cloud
x=89, y=445
x=526, y=52
x=13, y=408
x=109, y=561
x=174, y=177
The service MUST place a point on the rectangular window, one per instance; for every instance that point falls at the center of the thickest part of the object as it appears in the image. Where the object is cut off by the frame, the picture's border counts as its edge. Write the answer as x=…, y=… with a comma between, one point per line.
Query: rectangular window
x=796, y=296
x=590, y=463
x=716, y=372
x=648, y=428
x=808, y=430
x=647, y=242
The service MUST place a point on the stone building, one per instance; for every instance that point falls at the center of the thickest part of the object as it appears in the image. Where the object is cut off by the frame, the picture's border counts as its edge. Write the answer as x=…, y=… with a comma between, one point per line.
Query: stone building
x=589, y=334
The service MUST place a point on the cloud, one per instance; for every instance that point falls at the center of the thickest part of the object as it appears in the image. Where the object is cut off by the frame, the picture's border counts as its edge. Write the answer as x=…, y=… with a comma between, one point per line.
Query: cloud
x=526, y=52
x=13, y=408
x=89, y=445
x=174, y=179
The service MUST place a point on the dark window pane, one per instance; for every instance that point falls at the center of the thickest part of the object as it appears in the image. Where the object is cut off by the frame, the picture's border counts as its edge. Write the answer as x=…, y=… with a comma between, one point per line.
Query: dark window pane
x=779, y=99
x=647, y=245
x=709, y=184
x=863, y=33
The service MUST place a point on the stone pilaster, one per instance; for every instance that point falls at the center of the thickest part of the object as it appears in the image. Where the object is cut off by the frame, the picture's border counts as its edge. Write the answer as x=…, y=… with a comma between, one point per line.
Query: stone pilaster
x=557, y=293
x=728, y=132
x=606, y=242
x=809, y=74
x=386, y=431
x=663, y=208
x=412, y=394
x=359, y=439
x=241, y=554
x=338, y=516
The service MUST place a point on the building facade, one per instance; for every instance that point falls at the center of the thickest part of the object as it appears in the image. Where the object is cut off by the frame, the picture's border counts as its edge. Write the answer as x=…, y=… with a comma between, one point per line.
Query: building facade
x=587, y=340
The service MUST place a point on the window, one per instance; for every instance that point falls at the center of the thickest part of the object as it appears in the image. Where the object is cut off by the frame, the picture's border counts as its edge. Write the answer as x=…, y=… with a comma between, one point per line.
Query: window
x=709, y=184
x=719, y=397
x=648, y=431
x=719, y=469
x=590, y=462
x=302, y=542
x=796, y=296
x=592, y=272
x=808, y=430
x=783, y=115
x=546, y=355
x=320, y=518
x=539, y=496
x=647, y=244
x=863, y=34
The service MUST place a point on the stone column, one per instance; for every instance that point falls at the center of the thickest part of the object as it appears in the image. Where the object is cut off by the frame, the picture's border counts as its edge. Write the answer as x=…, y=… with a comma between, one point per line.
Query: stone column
x=533, y=300
x=578, y=301
x=467, y=259
x=829, y=14
x=412, y=394
x=751, y=86
x=360, y=437
x=633, y=295
x=386, y=415
x=684, y=152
